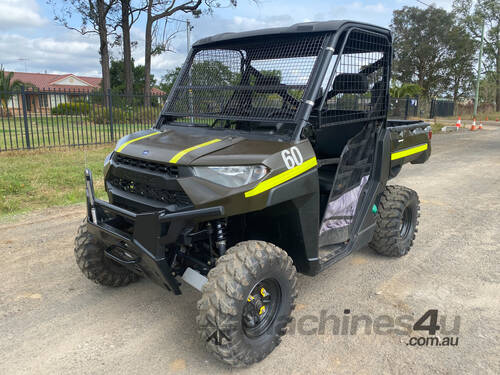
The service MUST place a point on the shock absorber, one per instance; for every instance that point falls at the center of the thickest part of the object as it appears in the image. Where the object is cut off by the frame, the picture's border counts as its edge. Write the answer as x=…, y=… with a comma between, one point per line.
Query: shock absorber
x=220, y=236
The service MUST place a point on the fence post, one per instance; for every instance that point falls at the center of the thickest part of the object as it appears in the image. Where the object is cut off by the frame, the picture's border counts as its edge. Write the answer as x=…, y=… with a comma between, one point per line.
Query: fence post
x=110, y=103
x=407, y=106
x=25, y=118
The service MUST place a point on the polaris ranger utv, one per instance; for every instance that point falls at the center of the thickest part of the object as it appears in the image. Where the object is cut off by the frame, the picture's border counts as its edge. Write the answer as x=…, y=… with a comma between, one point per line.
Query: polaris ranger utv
x=271, y=155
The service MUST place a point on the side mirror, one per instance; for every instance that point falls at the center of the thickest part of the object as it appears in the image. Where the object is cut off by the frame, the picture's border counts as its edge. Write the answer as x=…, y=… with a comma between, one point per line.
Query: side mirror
x=308, y=132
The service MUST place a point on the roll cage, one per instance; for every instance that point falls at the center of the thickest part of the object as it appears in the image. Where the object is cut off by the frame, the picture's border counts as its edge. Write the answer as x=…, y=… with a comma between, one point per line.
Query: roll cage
x=329, y=78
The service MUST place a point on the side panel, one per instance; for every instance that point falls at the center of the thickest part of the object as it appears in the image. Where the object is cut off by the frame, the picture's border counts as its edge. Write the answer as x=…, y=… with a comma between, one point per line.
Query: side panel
x=290, y=221
x=409, y=143
x=302, y=220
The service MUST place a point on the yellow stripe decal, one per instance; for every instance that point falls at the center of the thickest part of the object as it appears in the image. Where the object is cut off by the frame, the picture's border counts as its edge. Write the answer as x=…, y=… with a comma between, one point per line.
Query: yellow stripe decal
x=408, y=151
x=135, y=139
x=179, y=155
x=282, y=177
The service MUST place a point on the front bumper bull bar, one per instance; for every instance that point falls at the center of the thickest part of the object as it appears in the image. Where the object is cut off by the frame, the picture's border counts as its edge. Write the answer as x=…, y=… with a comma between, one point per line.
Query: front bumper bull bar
x=143, y=247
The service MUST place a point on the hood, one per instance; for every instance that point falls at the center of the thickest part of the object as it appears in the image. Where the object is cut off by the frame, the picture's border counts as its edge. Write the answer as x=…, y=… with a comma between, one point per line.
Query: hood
x=183, y=148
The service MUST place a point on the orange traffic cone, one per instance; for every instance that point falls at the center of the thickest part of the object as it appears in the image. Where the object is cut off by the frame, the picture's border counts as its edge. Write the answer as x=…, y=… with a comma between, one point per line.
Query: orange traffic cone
x=473, y=127
x=480, y=125
x=486, y=118
x=459, y=123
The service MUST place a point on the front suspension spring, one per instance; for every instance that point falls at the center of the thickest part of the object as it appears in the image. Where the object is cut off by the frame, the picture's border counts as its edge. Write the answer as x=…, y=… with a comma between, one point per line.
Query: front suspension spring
x=220, y=236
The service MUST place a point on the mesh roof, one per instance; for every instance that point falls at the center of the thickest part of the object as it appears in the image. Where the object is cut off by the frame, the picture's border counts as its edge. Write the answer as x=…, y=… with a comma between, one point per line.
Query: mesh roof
x=305, y=27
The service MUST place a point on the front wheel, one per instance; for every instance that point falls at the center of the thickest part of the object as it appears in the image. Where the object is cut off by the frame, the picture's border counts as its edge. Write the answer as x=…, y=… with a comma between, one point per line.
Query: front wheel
x=90, y=258
x=247, y=302
x=397, y=221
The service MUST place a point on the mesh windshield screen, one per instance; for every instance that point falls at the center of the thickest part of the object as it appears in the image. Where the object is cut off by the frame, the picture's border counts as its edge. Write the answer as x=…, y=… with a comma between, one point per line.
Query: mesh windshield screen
x=262, y=80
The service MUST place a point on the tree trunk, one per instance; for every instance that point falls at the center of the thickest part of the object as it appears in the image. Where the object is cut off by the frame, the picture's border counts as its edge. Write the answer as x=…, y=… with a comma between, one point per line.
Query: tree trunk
x=103, y=47
x=5, y=106
x=147, y=55
x=127, y=50
x=497, y=96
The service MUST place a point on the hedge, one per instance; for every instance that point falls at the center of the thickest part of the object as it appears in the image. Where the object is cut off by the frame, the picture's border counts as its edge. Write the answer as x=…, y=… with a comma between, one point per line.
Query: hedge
x=71, y=109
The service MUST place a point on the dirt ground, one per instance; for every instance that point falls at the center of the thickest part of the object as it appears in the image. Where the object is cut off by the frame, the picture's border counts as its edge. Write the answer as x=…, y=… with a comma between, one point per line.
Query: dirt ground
x=54, y=321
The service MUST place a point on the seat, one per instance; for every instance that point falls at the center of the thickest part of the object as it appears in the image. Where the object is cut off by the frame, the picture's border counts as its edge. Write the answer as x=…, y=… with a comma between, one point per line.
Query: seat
x=326, y=175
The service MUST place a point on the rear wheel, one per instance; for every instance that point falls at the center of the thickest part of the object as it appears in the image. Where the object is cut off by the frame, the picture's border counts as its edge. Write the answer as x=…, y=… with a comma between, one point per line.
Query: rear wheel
x=247, y=302
x=90, y=258
x=397, y=221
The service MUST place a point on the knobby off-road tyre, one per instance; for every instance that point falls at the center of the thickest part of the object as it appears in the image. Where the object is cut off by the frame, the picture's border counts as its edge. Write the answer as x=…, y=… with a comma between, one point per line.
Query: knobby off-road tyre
x=90, y=258
x=247, y=302
x=397, y=221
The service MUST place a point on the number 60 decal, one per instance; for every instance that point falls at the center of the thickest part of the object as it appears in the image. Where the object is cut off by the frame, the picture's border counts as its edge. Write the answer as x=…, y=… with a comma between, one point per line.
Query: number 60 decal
x=292, y=157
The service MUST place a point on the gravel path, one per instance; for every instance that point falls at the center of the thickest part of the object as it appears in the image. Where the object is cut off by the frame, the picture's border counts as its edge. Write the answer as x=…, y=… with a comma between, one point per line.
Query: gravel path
x=53, y=320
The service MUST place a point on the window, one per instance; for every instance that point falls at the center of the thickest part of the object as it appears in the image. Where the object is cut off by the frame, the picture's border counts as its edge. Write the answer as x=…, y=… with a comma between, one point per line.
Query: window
x=358, y=89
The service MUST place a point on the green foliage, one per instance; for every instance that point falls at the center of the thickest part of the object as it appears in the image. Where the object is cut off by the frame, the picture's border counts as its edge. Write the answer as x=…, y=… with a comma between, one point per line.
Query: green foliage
x=125, y=115
x=167, y=81
x=405, y=90
x=117, y=76
x=77, y=108
x=487, y=88
x=472, y=14
x=433, y=51
x=210, y=73
x=7, y=83
x=7, y=86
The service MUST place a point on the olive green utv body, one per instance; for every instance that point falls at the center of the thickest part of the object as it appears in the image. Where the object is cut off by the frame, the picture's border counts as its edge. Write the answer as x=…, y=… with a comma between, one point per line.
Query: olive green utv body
x=271, y=155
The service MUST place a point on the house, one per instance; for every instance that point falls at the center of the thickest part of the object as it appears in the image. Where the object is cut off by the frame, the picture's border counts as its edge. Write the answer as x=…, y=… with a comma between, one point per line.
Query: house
x=49, y=90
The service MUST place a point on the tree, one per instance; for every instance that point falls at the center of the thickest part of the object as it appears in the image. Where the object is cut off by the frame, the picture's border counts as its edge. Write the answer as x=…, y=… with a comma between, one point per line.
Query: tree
x=117, y=74
x=95, y=18
x=472, y=14
x=168, y=79
x=459, y=79
x=128, y=16
x=127, y=49
x=405, y=90
x=7, y=86
x=487, y=88
x=157, y=10
x=430, y=51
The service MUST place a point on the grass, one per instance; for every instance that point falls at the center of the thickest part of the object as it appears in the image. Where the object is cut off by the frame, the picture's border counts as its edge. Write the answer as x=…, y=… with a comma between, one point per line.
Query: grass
x=31, y=180
x=59, y=131
x=436, y=127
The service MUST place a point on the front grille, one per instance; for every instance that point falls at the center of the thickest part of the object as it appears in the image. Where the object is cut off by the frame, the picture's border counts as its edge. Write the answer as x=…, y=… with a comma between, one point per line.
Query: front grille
x=179, y=198
x=171, y=170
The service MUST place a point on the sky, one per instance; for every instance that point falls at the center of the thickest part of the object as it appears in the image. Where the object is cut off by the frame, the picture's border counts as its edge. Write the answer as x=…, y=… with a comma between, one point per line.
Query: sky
x=30, y=39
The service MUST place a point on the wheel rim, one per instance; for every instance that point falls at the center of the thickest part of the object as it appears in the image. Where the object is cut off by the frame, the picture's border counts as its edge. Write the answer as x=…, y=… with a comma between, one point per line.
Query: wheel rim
x=261, y=307
x=406, y=223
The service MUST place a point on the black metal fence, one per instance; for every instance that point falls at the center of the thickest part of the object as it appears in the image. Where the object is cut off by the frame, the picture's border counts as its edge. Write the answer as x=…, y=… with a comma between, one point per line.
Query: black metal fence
x=421, y=108
x=31, y=118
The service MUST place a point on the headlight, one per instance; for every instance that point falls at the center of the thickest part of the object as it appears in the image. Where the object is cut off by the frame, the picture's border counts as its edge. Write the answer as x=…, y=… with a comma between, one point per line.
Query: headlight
x=232, y=176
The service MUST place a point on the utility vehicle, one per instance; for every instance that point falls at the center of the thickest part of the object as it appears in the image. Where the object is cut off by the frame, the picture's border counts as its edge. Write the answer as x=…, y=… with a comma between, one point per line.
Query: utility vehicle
x=270, y=156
